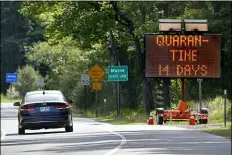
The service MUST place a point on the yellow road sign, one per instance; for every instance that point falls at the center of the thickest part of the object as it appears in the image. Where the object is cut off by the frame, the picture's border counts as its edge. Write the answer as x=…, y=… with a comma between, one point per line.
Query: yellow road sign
x=96, y=86
x=96, y=73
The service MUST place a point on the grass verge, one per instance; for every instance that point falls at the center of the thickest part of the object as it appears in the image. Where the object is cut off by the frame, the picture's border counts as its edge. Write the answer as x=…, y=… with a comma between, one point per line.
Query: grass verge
x=4, y=99
x=126, y=117
x=224, y=132
x=220, y=131
x=142, y=120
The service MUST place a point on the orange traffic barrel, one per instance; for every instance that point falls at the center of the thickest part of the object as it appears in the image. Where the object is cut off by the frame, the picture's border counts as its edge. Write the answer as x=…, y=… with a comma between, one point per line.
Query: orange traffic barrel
x=191, y=119
x=151, y=119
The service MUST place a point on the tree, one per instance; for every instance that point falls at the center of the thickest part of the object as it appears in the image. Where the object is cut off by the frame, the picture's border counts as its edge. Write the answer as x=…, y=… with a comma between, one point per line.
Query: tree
x=27, y=80
x=90, y=24
x=219, y=22
x=66, y=63
x=16, y=33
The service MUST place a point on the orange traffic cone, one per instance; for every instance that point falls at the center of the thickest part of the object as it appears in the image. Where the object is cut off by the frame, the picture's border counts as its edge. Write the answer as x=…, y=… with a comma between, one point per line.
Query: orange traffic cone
x=191, y=119
x=150, y=120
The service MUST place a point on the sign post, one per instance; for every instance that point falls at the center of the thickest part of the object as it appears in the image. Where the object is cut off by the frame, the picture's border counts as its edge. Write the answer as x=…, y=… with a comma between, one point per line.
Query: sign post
x=199, y=80
x=105, y=108
x=118, y=73
x=85, y=82
x=225, y=93
x=96, y=73
x=41, y=83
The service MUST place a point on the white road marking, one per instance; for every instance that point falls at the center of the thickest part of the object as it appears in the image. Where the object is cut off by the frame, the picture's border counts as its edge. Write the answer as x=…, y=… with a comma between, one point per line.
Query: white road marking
x=3, y=134
x=123, y=142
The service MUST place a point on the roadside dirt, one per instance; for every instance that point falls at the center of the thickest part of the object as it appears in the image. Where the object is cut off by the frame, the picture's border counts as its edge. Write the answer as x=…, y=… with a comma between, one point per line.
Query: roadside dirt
x=201, y=126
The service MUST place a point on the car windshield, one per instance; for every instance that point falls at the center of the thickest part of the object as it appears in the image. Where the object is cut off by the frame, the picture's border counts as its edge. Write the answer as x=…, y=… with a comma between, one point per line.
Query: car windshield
x=45, y=97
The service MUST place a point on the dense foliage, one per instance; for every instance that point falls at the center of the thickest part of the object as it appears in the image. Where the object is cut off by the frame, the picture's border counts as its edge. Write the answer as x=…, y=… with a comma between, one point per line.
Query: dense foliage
x=17, y=32
x=28, y=79
x=81, y=34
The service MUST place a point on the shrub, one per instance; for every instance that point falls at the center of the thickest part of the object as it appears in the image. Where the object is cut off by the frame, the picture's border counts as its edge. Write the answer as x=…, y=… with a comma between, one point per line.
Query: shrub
x=12, y=93
x=27, y=80
x=216, y=109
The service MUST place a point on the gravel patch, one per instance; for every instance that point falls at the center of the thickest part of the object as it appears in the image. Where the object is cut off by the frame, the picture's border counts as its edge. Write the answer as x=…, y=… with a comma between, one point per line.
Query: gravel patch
x=200, y=126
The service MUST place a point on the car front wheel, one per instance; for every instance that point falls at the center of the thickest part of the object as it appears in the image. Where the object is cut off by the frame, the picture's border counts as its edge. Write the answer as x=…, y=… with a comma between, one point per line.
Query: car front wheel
x=69, y=128
x=21, y=131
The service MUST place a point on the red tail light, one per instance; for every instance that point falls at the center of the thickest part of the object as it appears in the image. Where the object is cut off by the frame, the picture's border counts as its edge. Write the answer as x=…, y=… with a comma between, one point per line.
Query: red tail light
x=24, y=108
x=63, y=106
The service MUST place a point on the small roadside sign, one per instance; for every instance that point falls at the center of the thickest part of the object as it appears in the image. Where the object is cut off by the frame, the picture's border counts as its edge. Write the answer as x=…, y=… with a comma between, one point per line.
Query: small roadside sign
x=96, y=73
x=199, y=80
x=117, y=73
x=84, y=79
x=11, y=77
x=41, y=83
x=96, y=86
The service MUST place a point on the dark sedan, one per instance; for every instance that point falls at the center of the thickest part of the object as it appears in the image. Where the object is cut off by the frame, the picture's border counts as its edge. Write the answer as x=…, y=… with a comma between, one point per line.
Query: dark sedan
x=44, y=110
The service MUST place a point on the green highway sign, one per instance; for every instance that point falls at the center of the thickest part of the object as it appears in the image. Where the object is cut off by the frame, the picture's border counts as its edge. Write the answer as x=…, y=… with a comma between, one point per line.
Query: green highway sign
x=117, y=73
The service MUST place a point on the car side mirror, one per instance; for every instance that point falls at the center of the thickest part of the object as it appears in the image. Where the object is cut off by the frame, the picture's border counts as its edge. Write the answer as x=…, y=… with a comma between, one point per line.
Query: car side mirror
x=17, y=104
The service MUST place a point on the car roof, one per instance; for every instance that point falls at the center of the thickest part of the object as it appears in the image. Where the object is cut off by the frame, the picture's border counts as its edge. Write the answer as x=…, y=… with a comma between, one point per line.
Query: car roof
x=44, y=91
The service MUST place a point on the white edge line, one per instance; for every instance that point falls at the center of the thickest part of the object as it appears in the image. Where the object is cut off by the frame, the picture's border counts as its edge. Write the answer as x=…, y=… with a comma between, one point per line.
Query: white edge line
x=123, y=142
x=3, y=134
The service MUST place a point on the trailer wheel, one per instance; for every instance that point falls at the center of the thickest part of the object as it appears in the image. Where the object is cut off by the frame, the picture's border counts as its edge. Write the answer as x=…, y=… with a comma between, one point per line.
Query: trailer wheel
x=203, y=121
x=200, y=121
x=159, y=119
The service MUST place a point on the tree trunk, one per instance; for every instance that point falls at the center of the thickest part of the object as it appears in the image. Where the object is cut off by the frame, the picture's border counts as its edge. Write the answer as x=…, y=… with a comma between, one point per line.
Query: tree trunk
x=148, y=97
x=114, y=62
x=132, y=87
x=166, y=81
x=124, y=20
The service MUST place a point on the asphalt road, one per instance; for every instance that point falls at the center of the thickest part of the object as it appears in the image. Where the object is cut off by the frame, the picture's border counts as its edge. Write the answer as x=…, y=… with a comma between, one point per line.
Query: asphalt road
x=95, y=138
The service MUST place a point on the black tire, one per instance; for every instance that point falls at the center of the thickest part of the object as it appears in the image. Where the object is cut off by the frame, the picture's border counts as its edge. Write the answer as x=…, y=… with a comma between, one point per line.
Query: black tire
x=159, y=120
x=21, y=131
x=200, y=121
x=205, y=121
x=69, y=128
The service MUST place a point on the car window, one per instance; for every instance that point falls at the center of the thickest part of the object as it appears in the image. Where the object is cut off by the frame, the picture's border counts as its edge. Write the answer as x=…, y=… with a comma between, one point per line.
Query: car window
x=45, y=97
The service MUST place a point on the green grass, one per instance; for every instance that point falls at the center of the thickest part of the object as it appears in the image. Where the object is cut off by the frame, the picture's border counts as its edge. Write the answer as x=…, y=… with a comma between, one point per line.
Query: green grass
x=126, y=117
x=221, y=131
x=4, y=99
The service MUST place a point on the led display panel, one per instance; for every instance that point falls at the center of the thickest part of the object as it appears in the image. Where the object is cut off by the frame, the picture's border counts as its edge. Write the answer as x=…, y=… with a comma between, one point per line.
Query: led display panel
x=183, y=56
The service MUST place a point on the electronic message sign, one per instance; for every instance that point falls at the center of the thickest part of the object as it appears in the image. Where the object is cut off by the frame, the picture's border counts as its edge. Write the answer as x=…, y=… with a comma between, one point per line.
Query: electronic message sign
x=184, y=56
